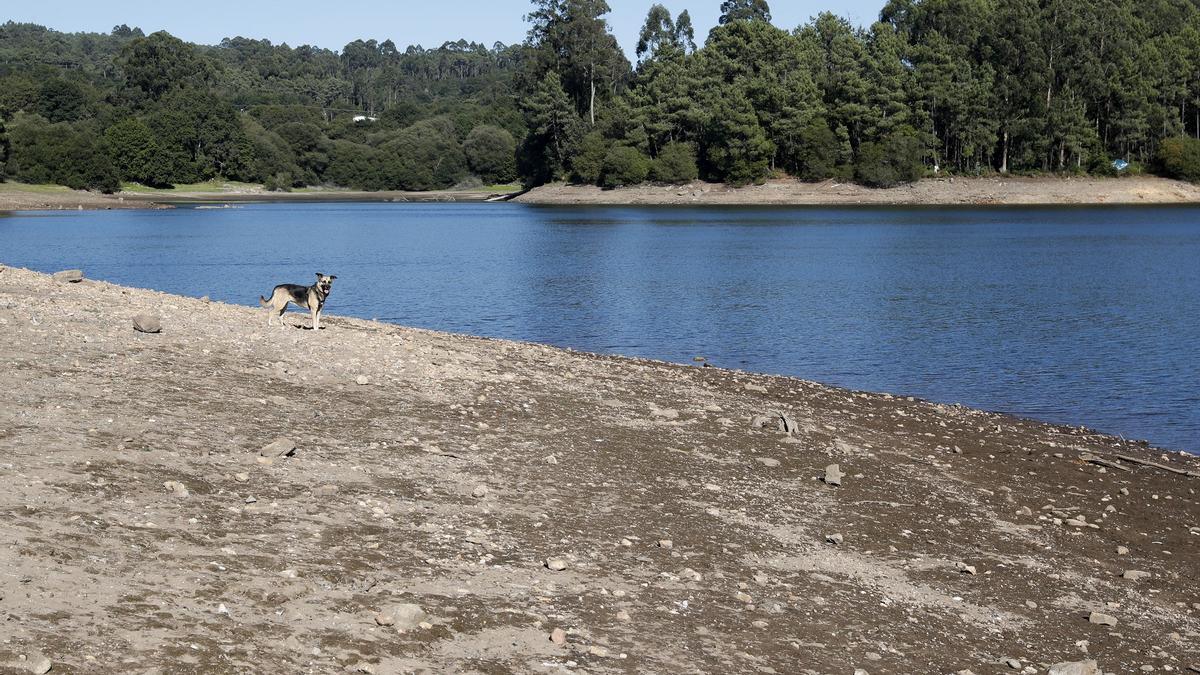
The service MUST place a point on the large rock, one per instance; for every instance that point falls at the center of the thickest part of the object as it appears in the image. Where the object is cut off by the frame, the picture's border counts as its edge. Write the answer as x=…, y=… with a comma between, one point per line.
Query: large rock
x=405, y=616
x=833, y=475
x=147, y=323
x=1102, y=619
x=1076, y=668
x=280, y=447
x=69, y=276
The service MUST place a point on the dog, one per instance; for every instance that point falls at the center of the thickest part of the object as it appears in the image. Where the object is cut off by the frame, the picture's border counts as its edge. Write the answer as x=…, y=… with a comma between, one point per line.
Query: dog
x=311, y=298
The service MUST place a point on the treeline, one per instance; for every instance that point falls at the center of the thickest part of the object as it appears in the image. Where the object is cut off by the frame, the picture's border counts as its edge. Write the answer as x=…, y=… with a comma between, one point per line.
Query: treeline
x=935, y=86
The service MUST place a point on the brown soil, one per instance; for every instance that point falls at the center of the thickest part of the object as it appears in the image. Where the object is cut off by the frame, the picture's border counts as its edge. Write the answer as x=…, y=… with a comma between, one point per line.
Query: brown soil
x=945, y=191
x=283, y=564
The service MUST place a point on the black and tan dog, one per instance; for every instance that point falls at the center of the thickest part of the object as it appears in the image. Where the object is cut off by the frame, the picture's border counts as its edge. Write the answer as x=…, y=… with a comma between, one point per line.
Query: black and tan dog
x=311, y=298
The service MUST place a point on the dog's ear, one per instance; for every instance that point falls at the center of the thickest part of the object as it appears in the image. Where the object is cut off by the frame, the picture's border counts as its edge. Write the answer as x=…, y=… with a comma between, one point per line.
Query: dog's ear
x=333, y=277
x=319, y=275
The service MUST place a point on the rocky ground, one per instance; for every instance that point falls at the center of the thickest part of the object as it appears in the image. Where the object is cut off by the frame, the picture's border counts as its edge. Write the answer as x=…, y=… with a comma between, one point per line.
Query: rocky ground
x=224, y=497
x=1009, y=190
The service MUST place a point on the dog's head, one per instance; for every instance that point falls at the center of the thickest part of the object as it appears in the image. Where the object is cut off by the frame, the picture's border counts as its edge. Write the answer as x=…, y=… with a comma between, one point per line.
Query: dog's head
x=325, y=283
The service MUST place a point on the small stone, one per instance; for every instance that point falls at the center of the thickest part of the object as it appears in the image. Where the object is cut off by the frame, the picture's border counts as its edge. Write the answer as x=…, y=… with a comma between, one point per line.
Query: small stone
x=68, y=276
x=362, y=380
x=872, y=656
x=1136, y=575
x=1031, y=604
x=1102, y=619
x=835, y=539
x=756, y=387
x=552, y=460
x=623, y=616
x=1076, y=668
x=833, y=475
x=1122, y=550
x=743, y=596
x=479, y=492
x=241, y=477
x=147, y=323
x=759, y=624
x=1024, y=511
x=596, y=650
x=558, y=636
x=1015, y=664
x=280, y=447
x=666, y=543
x=767, y=461
x=404, y=617
x=965, y=568
x=555, y=564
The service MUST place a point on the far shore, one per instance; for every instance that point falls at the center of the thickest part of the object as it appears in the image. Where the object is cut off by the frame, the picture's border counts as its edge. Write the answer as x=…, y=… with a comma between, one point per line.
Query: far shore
x=948, y=191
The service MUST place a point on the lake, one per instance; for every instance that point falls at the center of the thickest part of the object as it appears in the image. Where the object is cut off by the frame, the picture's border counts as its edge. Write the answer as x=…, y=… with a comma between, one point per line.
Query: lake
x=1071, y=315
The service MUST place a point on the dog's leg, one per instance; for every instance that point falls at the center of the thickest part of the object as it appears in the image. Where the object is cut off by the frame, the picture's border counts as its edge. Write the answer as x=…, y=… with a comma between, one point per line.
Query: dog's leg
x=316, y=318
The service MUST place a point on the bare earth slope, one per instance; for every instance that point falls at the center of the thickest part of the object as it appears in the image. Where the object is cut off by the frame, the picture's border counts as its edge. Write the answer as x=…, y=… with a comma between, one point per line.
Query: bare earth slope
x=1010, y=190
x=141, y=529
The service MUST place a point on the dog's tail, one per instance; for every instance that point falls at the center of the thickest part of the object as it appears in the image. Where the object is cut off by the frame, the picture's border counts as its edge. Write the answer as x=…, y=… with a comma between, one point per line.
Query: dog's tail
x=263, y=301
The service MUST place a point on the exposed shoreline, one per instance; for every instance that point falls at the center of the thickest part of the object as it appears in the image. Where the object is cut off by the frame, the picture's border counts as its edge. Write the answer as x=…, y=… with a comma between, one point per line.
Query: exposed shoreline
x=1007, y=191
x=148, y=525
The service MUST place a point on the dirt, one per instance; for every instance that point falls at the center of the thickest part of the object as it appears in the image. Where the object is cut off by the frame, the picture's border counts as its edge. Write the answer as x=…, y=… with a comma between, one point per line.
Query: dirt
x=1012, y=190
x=143, y=531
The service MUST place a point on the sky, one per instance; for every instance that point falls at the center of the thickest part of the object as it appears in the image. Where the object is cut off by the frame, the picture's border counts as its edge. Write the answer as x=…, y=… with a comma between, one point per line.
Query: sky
x=334, y=24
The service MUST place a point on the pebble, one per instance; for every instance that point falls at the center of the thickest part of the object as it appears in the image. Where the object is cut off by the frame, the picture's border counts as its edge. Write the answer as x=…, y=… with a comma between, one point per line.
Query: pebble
x=555, y=564
x=68, y=276
x=596, y=650
x=833, y=475
x=1015, y=664
x=1031, y=604
x=666, y=543
x=965, y=568
x=1122, y=550
x=362, y=380
x=280, y=447
x=1136, y=575
x=756, y=387
x=743, y=596
x=835, y=539
x=558, y=636
x=147, y=323
x=1102, y=619
x=767, y=461
x=623, y=616
x=479, y=492
x=241, y=477
x=551, y=459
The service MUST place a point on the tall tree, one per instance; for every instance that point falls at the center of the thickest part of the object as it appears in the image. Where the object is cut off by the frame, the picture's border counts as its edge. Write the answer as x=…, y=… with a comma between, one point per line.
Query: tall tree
x=744, y=10
x=572, y=38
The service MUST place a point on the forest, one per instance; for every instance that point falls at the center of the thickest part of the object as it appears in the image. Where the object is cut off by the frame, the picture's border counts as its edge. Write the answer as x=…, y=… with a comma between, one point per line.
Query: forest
x=934, y=87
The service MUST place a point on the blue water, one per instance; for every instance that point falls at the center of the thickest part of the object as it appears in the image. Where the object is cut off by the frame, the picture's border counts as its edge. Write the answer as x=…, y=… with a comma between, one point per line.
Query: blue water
x=1080, y=316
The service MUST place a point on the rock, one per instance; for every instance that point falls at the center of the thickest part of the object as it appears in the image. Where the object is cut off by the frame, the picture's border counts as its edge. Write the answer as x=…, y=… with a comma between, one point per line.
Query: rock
x=596, y=650
x=1122, y=550
x=362, y=380
x=742, y=596
x=767, y=461
x=756, y=387
x=666, y=543
x=1031, y=604
x=39, y=665
x=241, y=477
x=1102, y=619
x=479, y=492
x=178, y=489
x=147, y=323
x=1136, y=575
x=623, y=616
x=558, y=636
x=965, y=568
x=404, y=617
x=551, y=459
x=555, y=564
x=835, y=539
x=280, y=447
x=69, y=276
x=1076, y=668
x=833, y=475
x=1015, y=664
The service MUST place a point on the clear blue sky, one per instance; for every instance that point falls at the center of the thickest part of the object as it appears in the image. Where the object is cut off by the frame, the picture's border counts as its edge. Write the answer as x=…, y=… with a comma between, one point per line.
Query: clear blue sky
x=333, y=24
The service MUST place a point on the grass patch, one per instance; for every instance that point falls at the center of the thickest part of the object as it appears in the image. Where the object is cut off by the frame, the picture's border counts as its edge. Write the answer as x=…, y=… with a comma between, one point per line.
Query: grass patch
x=37, y=189
x=211, y=186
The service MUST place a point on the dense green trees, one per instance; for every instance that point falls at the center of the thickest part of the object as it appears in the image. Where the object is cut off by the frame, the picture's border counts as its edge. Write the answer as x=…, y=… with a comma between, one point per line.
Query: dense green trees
x=935, y=86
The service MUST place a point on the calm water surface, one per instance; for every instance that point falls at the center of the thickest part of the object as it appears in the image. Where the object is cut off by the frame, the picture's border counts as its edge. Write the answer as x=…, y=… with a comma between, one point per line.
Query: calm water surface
x=1082, y=316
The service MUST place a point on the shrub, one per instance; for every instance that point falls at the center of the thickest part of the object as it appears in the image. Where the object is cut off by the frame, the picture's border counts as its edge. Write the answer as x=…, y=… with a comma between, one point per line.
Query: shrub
x=1180, y=158
x=491, y=154
x=675, y=164
x=588, y=163
x=624, y=166
x=895, y=160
